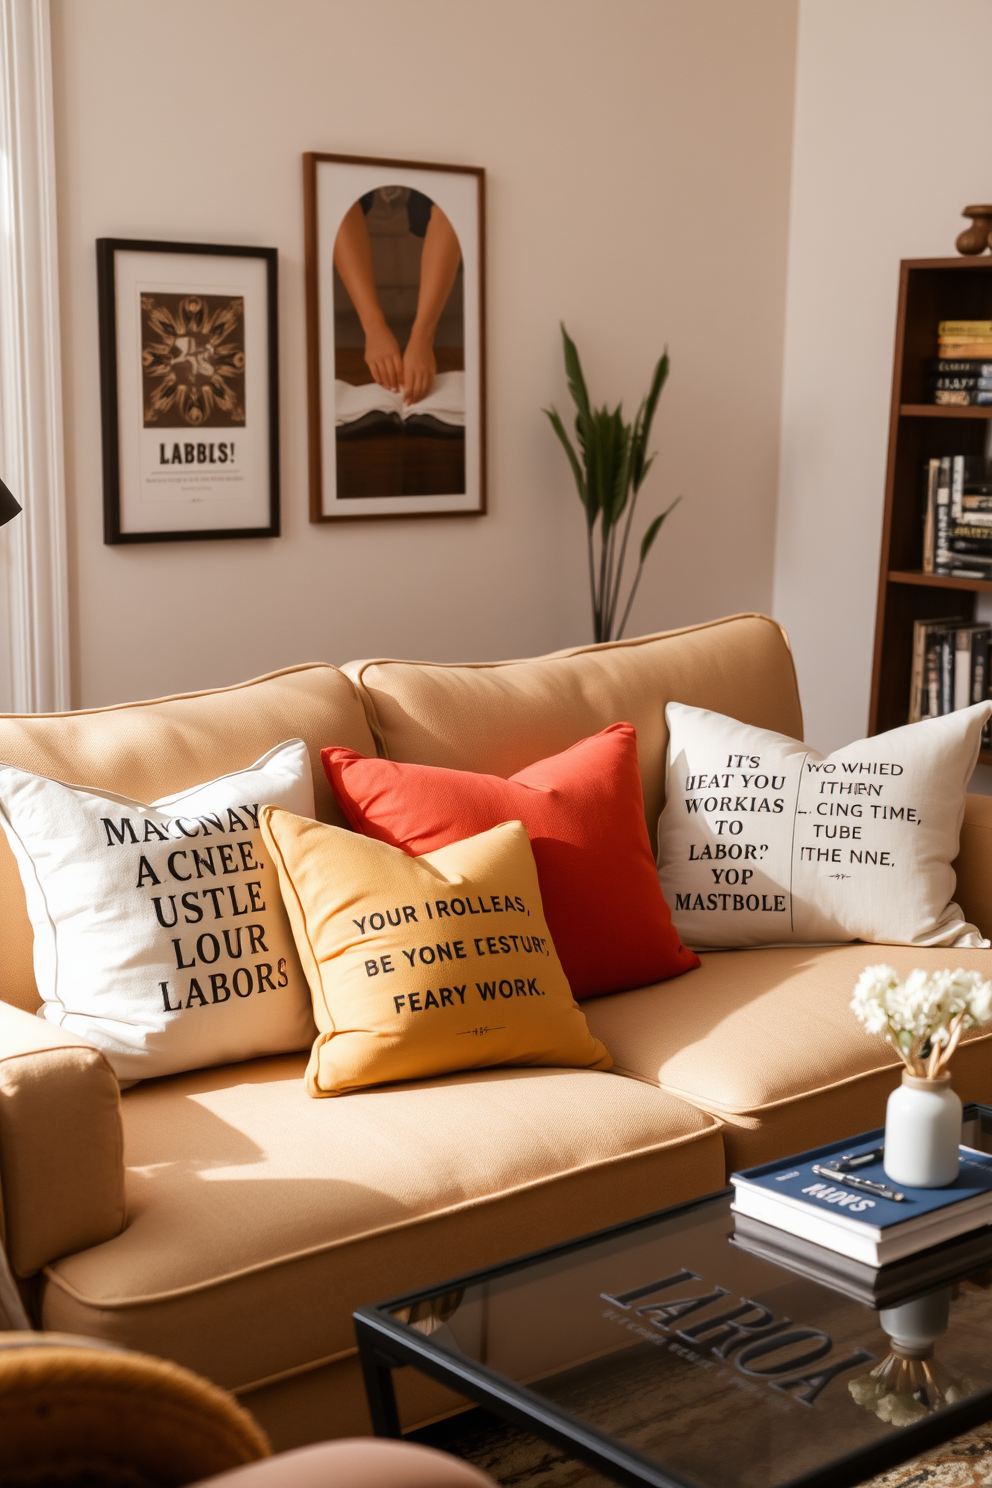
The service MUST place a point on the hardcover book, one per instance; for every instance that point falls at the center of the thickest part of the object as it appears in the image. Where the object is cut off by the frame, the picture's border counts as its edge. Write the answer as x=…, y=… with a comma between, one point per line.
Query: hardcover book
x=877, y=1286
x=962, y=367
x=864, y=1224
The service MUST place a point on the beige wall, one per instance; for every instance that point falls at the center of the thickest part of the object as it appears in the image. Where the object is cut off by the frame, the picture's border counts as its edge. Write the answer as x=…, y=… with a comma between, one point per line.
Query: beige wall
x=885, y=157
x=638, y=176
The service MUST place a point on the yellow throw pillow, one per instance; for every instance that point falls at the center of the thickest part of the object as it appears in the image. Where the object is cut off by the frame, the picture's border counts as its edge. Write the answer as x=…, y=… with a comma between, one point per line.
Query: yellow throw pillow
x=421, y=966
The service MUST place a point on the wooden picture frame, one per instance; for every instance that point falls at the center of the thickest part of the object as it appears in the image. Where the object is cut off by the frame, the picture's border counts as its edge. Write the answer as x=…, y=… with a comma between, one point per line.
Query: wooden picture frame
x=189, y=384
x=376, y=452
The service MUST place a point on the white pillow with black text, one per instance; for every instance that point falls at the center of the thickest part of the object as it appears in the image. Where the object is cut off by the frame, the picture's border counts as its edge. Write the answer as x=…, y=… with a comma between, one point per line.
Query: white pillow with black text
x=763, y=841
x=159, y=934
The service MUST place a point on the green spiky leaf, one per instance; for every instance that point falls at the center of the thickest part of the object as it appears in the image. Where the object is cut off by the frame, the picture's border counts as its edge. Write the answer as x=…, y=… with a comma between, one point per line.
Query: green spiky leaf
x=654, y=528
x=554, y=418
x=575, y=377
x=640, y=464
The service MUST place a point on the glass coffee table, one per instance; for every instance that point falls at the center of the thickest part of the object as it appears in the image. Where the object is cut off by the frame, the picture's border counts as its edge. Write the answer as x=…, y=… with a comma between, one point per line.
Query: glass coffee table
x=681, y=1350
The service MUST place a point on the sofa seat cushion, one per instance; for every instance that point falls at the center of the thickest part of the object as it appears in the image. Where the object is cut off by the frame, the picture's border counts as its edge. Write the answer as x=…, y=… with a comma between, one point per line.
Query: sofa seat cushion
x=259, y=1218
x=766, y=1041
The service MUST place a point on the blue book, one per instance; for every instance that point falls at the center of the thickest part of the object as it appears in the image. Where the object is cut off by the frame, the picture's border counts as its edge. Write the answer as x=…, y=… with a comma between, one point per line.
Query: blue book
x=856, y=1222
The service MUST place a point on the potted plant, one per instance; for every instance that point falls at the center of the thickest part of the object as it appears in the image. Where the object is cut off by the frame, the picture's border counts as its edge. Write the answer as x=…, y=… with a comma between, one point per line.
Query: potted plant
x=609, y=468
x=923, y=1019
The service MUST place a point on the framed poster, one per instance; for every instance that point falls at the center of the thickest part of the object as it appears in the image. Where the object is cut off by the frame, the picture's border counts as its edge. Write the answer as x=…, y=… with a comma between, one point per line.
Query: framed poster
x=395, y=337
x=189, y=390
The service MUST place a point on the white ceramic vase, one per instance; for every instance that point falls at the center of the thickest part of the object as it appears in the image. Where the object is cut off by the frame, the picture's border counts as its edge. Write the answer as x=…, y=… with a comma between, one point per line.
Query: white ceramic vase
x=922, y=1132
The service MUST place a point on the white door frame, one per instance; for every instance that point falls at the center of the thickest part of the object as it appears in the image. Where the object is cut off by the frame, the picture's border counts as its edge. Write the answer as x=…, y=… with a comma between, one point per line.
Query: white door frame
x=34, y=613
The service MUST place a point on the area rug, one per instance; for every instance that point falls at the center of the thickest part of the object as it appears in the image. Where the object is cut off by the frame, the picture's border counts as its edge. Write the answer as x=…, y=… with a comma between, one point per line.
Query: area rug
x=517, y=1460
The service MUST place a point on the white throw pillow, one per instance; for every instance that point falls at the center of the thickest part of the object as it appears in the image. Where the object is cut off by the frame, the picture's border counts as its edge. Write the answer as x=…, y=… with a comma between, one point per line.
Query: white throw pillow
x=765, y=842
x=159, y=935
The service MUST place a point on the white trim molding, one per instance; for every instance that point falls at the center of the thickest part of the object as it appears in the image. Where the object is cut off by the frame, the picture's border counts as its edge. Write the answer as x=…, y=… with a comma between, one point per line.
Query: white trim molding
x=34, y=615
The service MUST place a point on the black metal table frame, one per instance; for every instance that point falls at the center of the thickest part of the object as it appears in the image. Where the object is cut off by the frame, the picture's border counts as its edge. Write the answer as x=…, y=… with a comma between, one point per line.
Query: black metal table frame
x=385, y=1344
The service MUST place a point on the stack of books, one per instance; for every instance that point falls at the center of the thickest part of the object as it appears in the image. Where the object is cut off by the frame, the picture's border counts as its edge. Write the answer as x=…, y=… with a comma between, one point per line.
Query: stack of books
x=834, y=1210
x=962, y=373
x=957, y=516
x=950, y=666
x=951, y=663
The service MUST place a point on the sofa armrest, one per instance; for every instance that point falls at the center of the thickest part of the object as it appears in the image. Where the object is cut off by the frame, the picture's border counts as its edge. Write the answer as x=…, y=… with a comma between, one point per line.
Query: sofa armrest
x=61, y=1143
x=973, y=864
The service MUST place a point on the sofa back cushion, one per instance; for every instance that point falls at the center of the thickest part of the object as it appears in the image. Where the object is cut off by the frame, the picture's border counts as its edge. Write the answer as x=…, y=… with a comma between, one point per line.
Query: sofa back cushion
x=498, y=717
x=147, y=750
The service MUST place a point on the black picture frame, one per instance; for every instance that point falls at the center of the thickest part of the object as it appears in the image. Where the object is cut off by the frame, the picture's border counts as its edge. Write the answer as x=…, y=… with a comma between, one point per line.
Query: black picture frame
x=319, y=238
x=114, y=527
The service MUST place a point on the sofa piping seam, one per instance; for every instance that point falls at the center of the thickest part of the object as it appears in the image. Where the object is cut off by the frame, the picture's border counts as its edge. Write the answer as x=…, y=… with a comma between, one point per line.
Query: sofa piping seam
x=182, y=697
x=122, y=1304
x=294, y=1371
x=786, y=1100
x=375, y=724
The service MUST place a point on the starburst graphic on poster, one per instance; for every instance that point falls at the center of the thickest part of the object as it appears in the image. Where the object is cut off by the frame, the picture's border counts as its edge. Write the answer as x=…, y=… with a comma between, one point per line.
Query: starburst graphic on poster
x=193, y=360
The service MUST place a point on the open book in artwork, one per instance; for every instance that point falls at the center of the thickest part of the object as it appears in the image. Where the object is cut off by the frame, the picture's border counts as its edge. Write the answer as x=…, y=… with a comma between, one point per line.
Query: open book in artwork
x=445, y=402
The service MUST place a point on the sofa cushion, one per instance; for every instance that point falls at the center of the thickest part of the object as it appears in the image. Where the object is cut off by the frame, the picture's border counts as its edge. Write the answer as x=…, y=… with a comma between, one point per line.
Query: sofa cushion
x=259, y=1219
x=146, y=750
x=163, y=981
x=497, y=717
x=409, y=996
x=857, y=845
x=584, y=814
x=767, y=1042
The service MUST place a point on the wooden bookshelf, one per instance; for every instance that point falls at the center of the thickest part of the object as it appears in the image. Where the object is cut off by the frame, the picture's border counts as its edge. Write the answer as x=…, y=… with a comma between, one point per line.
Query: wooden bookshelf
x=930, y=290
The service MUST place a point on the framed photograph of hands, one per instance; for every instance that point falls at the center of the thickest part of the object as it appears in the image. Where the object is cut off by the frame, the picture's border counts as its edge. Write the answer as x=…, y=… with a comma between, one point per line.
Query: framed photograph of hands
x=395, y=270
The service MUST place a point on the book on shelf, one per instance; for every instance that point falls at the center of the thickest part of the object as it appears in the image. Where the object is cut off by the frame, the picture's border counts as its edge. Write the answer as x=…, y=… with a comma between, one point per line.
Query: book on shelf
x=950, y=666
x=967, y=537
x=971, y=664
x=964, y=340
x=962, y=366
x=976, y=509
x=965, y=330
x=957, y=486
x=957, y=515
x=866, y=1226
x=959, y=383
x=930, y=472
x=938, y=559
x=875, y=1286
x=963, y=399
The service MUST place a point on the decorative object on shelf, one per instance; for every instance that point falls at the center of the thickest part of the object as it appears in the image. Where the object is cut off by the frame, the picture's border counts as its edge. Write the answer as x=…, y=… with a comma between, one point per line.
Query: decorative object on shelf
x=395, y=337
x=975, y=239
x=189, y=388
x=9, y=505
x=910, y=1383
x=923, y=1019
x=609, y=470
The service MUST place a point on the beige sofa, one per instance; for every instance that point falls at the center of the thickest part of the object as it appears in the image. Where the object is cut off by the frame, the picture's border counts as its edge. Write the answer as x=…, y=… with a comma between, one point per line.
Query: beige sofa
x=225, y=1220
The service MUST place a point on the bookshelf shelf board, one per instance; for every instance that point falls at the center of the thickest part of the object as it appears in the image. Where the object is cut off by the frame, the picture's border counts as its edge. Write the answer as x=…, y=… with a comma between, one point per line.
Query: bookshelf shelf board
x=940, y=411
x=940, y=581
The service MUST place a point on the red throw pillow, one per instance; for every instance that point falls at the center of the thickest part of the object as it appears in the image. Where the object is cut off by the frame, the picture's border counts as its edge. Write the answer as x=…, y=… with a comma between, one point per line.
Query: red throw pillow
x=584, y=813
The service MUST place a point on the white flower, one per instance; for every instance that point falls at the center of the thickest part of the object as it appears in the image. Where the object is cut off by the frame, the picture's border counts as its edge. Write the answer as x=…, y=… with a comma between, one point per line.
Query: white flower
x=869, y=1003
x=923, y=1011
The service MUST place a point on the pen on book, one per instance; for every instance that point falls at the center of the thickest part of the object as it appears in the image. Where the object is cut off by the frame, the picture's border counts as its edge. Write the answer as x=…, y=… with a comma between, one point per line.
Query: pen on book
x=849, y=1162
x=863, y=1185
